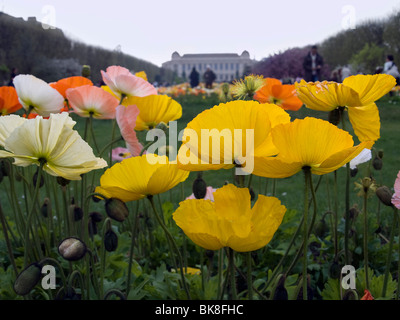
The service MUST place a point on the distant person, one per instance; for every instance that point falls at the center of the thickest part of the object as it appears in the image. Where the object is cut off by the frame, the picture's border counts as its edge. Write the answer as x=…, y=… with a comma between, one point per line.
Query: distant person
x=390, y=68
x=344, y=73
x=194, y=78
x=209, y=77
x=312, y=65
x=14, y=72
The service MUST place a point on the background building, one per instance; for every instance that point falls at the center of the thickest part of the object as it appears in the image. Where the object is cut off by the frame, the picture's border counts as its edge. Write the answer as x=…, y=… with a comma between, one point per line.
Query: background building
x=226, y=66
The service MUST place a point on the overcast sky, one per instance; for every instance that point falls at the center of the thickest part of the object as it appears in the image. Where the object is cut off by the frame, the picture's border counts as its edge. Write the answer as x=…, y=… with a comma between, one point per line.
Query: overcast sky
x=153, y=29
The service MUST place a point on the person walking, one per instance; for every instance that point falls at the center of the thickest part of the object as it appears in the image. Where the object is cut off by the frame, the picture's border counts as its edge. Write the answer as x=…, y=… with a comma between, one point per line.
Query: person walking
x=209, y=77
x=312, y=65
x=194, y=78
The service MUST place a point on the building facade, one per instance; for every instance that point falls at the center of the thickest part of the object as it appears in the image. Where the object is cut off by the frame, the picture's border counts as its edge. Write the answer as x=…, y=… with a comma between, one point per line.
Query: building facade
x=226, y=66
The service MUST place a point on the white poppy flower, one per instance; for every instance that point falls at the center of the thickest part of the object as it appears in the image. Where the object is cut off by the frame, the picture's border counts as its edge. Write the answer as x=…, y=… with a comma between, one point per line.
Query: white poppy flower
x=53, y=143
x=36, y=95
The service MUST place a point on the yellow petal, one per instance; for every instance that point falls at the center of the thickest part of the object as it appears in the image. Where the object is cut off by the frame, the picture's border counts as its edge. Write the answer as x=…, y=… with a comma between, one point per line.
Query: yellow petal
x=366, y=122
x=165, y=178
x=198, y=220
x=326, y=96
x=154, y=109
x=275, y=168
x=370, y=87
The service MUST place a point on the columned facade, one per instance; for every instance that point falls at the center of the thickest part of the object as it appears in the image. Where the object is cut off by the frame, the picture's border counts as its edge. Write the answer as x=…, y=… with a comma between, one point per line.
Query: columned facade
x=226, y=66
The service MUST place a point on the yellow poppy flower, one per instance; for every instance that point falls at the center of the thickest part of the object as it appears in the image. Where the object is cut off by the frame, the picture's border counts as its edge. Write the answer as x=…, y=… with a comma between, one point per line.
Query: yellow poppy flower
x=237, y=130
x=138, y=177
x=357, y=93
x=154, y=109
x=230, y=221
x=309, y=142
x=51, y=142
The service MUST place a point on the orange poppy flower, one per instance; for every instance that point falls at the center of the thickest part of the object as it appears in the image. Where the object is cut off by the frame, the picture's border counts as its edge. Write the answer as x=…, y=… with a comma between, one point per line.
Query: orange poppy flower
x=283, y=95
x=9, y=102
x=72, y=82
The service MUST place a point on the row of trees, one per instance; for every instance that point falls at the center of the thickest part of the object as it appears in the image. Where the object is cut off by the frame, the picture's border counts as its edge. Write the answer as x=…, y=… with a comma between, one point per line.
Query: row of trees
x=50, y=55
x=363, y=49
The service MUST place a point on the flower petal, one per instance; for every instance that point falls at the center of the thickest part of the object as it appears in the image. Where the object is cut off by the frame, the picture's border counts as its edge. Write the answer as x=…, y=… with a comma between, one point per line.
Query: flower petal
x=365, y=121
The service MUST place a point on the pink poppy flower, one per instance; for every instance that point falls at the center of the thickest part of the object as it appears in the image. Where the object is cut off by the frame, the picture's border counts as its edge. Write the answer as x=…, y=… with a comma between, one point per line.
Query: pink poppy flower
x=209, y=194
x=90, y=100
x=126, y=119
x=119, y=154
x=121, y=81
x=396, y=195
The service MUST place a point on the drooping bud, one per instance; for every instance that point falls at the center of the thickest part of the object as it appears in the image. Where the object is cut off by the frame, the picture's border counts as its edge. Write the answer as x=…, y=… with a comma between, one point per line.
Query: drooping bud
x=385, y=195
x=310, y=293
x=335, y=270
x=380, y=154
x=78, y=213
x=377, y=163
x=28, y=279
x=321, y=228
x=46, y=208
x=5, y=167
x=354, y=212
x=110, y=240
x=350, y=295
x=280, y=292
x=72, y=249
x=96, y=216
x=62, y=181
x=353, y=172
x=86, y=71
x=334, y=116
x=116, y=209
x=35, y=177
x=199, y=187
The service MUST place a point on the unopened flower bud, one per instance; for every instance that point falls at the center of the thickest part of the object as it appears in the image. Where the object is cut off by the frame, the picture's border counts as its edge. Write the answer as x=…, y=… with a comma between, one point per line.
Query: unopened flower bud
x=377, y=163
x=354, y=212
x=321, y=228
x=116, y=209
x=46, y=208
x=27, y=279
x=353, y=172
x=199, y=188
x=110, y=241
x=350, y=295
x=96, y=216
x=72, y=249
x=380, y=154
x=35, y=177
x=5, y=167
x=92, y=228
x=280, y=292
x=62, y=181
x=334, y=117
x=335, y=270
x=86, y=71
x=385, y=195
x=77, y=213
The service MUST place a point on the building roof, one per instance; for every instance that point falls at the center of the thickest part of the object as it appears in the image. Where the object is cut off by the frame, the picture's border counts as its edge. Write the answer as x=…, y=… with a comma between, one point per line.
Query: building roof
x=210, y=55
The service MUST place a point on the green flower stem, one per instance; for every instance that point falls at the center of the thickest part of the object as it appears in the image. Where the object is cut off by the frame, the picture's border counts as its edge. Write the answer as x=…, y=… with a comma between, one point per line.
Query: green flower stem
x=77, y=274
x=249, y=261
x=307, y=177
x=67, y=226
x=220, y=267
x=347, y=198
x=114, y=125
x=133, y=240
x=366, y=240
x=7, y=240
x=389, y=255
x=336, y=206
x=94, y=274
x=93, y=134
x=28, y=245
x=115, y=292
x=171, y=238
x=109, y=144
x=232, y=273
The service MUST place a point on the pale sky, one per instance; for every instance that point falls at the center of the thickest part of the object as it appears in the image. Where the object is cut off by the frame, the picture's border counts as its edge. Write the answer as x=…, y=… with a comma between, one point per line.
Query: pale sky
x=153, y=29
